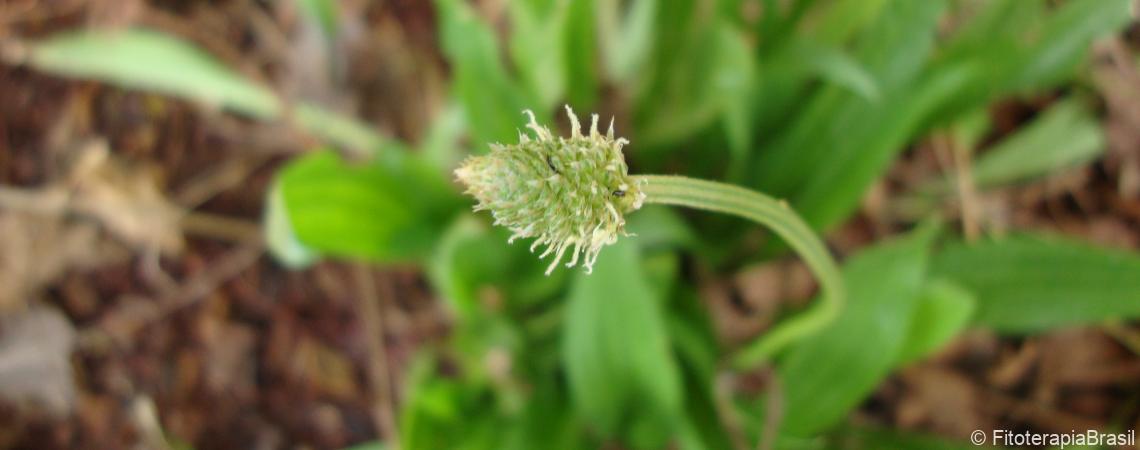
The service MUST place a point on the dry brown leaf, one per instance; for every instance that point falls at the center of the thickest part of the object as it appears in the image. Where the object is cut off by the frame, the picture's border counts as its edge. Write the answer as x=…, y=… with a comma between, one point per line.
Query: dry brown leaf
x=761, y=286
x=943, y=401
x=770, y=286
x=37, y=249
x=40, y=241
x=733, y=321
x=126, y=200
x=329, y=371
x=230, y=368
x=1016, y=368
x=1118, y=80
x=1079, y=357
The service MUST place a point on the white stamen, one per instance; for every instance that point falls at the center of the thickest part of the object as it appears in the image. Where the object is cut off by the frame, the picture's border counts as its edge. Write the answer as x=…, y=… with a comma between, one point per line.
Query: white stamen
x=591, y=257
x=577, y=250
x=574, y=259
x=613, y=212
x=521, y=233
x=542, y=132
x=575, y=127
x=557, y=258
x=549, y=248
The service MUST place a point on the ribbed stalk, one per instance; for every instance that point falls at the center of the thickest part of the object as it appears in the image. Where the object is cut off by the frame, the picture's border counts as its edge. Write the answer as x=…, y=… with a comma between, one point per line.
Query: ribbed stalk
x=777, y=216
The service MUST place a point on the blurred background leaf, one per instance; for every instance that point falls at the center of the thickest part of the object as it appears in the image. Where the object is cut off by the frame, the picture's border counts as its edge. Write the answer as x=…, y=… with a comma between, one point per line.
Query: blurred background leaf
x=492, y=99
x=826, y=160
x=943, y=310
x=1065, y=136
x=364, y=210
x=145, y=59
x=827, y=375
x=1029, y=283
x=626, y=36
x=538, y=47
x=622, y=375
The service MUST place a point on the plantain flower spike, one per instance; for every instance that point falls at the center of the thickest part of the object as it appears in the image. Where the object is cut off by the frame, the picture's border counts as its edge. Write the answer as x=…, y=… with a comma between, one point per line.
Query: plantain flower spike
x=570, y=194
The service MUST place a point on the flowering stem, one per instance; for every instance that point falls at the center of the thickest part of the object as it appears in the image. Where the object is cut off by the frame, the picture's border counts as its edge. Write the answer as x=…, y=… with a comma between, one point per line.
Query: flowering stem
x=777, y=216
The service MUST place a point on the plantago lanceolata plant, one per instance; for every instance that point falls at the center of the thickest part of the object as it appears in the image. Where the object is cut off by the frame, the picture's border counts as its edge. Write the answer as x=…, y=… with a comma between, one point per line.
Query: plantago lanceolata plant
x=572, y=194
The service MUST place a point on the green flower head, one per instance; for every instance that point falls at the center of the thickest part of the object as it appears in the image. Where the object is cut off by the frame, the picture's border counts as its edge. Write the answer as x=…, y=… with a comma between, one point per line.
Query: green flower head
x=568, y=193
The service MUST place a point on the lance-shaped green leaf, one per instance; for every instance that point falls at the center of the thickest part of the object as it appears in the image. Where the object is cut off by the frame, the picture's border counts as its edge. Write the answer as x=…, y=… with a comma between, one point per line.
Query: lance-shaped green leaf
x=1027, y=284
x=392, y=209
x=1065, y=136
x=944, y=309
x=827, y=375
x=140, y=58
x=491, y=98
x=621, y=371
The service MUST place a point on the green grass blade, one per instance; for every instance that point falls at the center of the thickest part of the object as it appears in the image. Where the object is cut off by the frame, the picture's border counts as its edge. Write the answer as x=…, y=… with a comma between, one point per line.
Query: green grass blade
x=620, y=369
x=1066, y=135
x=154, y=61
x=338, y=129
x=538, y=50
x=1064, y=40
x=836, y=66
x=492, y=99
x=626, y=39
x=148, y=60
x=836, y=128
x=1028, y=284
x=944, y=309
x=834, y=188
x=583, y=75
x=841, y=19
x=1023, y=47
